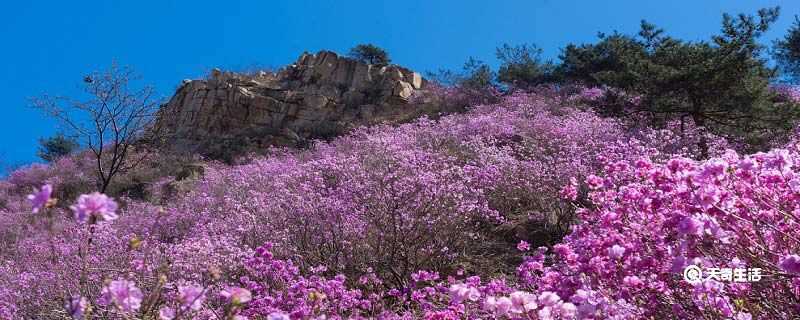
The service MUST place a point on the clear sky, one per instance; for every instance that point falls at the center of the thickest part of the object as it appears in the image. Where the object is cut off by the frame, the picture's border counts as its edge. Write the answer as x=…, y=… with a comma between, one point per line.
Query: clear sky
x=49, y=45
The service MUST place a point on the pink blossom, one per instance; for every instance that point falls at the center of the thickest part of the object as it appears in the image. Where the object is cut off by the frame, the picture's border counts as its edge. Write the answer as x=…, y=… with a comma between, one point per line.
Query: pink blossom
x=94, y=204
x=790, y=264
x=632, y=281
x=708, y=195
x=567, y=310
x=713, y=170
x=76, y=306
x=779, y=159
x=616, y=251
x=237, y=295
x=441, y=315
x=490, y=304
x=570, y=191
x=522, y=302
x=743, y=316
x=122, y=294
x=581, y=296
x=594, y=181
x=548, y=298
x=40, y=197
x=546, y=313
x=460, y=292
x=503, y=306
x=523, y=245
x=191, y=297
x=278, y=316
x=166, y=313
x=690, y=226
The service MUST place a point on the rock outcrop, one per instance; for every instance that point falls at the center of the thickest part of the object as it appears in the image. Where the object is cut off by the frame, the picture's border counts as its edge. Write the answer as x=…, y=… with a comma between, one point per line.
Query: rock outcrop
x=319, y=96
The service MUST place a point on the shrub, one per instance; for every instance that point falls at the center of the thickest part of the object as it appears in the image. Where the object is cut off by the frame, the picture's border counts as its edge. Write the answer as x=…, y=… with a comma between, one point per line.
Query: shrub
x=55, y=147
x=424, y=219
x=671, y=77
x=369, y=53
x=521, y=66
x=786, y=52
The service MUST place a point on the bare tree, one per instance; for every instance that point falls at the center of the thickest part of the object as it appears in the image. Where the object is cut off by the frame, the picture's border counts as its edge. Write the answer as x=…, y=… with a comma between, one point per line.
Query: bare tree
x=109, y=122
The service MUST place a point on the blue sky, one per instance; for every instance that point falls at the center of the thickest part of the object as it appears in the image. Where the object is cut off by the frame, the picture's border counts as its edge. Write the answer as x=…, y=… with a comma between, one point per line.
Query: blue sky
x=49, y=45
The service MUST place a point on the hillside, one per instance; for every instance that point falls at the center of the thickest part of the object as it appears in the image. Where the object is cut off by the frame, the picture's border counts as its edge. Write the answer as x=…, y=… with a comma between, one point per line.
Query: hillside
x=536, y=205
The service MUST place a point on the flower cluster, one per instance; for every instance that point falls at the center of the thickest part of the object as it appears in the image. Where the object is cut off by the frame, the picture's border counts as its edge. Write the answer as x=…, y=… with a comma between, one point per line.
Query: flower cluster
x=652, y=220
x=785, y=92
x=123, y=294
x=41, y=198
x=94, y=206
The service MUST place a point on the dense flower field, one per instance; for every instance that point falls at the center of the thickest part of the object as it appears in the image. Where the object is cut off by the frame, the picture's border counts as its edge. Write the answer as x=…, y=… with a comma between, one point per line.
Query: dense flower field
x=458, y=218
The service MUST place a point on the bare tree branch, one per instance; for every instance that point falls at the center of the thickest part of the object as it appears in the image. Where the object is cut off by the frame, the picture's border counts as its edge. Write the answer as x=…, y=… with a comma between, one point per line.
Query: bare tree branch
x=109, y=122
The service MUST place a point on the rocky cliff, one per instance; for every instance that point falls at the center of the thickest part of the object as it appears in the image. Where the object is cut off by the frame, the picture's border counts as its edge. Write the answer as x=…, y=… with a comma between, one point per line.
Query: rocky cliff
x=319, y=96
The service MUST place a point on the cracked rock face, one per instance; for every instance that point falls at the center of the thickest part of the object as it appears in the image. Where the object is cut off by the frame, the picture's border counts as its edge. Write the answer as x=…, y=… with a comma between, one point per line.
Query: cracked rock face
x=319, y=96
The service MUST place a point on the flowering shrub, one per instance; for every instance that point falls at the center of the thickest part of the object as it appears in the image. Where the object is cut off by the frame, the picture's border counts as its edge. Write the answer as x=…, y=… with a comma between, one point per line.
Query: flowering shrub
x=786, y=93
x=71, y=175
x=651, y=221
x=459, y=218
x=426, y=195
x=455, y=98
x=623, y=260
x=281, y=291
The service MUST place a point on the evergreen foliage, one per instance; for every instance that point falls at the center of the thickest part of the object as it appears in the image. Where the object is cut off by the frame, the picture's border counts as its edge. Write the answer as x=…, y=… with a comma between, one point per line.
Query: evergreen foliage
x=522, y=66
x=55, y=147
x=787, y=52
x=371, y=54
x=721, y=84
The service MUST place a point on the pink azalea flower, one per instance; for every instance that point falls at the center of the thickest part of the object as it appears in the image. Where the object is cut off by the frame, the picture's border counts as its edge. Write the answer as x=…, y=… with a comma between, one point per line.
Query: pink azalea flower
x=123, y=294
x=570, y=191
x=581, y=296
x=743, y=316
x=75, y=307
x=545, y=313
x=166, y=313
x=278, y=316
x=594, y=181
x=441, y=315
x=690, y=225
x=237, y=295
x=502, y=306
x=548, y=298
x=632, y=281
x=790, y=264
x=616, y=251
x=678, y=264
x=713, y=170
x=40, y=197
x=191, y=297
x=94, y=204
x=523, y=246
x=522, y=302
x=779, y=159
x=490, y=304
x=567, y=310
x=708, y=195
x=460, y=292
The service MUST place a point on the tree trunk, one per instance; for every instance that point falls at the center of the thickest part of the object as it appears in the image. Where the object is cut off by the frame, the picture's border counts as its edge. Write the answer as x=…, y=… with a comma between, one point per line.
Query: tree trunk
x=702, y=143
